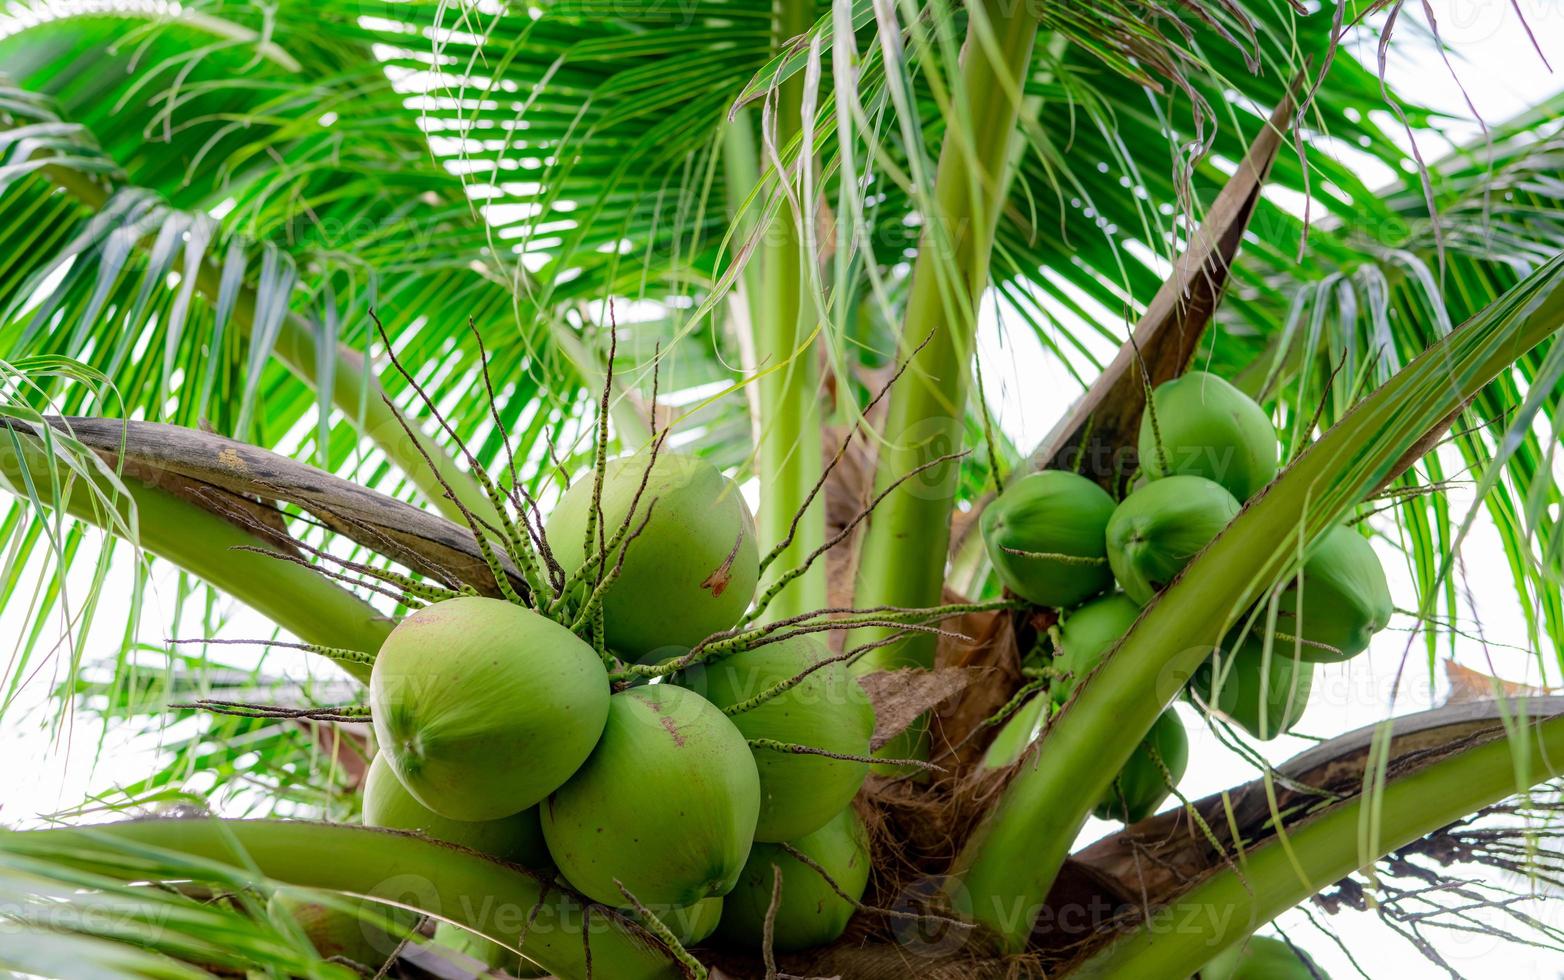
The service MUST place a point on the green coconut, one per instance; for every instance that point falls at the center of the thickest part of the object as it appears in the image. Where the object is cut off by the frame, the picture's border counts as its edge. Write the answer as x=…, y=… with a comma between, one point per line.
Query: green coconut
x=1045, y=537
x=1085, y=635
x=1345, y=600
x=387, y=803
x=364, y=933
x=667, y=803
x=1251, y=686
x=497, y=960
x=1141, y=786
x=689, y=573
x=1210, y=429
x=810, y=912
x=1262, y=958
x=826, y=710
x=1159, y=528
x=483, y=708
x=693, y=924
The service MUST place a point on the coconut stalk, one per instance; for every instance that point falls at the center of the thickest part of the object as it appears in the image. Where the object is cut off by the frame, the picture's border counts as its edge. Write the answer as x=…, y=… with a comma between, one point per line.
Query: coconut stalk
x=442, y=880
x=902, y=561
x=788, y=388
x=1060, y=779
x=207, y=545
x=430, y=544
x=1269, y=879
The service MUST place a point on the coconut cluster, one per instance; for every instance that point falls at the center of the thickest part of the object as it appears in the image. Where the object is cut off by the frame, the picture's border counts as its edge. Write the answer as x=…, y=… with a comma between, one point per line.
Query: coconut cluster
x=1059, y=540
x=501, y=728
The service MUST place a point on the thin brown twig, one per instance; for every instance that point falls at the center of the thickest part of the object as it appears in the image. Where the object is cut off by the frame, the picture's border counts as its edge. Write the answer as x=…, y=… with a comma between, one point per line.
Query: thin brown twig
x=769, y=929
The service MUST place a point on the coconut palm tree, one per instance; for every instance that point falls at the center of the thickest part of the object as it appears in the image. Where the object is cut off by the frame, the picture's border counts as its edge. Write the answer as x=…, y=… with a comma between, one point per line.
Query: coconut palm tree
x=312, y=301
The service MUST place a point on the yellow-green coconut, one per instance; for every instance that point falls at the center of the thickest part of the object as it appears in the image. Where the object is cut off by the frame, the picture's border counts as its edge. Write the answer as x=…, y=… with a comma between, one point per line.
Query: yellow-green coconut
x=666, y=804
x=387, y=803
x=689, y=573
x=810, y=912
x=827, y=710
x=1085, y=635
x=483, y=708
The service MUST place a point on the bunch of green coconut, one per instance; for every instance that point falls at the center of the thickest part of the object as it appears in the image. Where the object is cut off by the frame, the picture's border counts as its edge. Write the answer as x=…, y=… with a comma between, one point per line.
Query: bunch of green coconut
x=1059, y=540
x=586, y=731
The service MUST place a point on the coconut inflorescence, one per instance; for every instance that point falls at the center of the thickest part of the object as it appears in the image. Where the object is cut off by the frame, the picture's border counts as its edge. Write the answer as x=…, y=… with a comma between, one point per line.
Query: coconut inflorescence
x=1046, y=538
x=483, y=707
x=1200, y=425
x=826, y=710
x=1205, y=448
x=810, y=912
x=688, y=573
x=499, y=728
x=667, y=803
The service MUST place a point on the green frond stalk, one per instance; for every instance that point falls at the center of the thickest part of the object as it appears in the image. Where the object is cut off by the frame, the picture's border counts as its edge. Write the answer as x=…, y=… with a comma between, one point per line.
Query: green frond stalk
x=1058, y=781
x=1267, y=880
x=903, y=558
x=220, y=553
x=448, y=882
x=783, y=328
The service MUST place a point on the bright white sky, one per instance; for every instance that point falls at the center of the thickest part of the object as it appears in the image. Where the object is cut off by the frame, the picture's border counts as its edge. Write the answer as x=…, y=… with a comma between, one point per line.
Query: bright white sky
x=49, y=768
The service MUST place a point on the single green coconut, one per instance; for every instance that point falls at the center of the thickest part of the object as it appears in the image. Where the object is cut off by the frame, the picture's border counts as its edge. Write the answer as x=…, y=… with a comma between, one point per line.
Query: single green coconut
x=1141, y=786
x=1210, y=429
x=1159, y=528
x=693, y=924
x=667, y=803
x=1262, y=958
x=364, y=933
x=1045, y=537
x=497, y=960
x=1345, y=601
x=483, y=708
x=1251, y=686
x=1085, y=635
x=387, y=803
x=826, y=710
x=810, y=912
x=689, y=573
